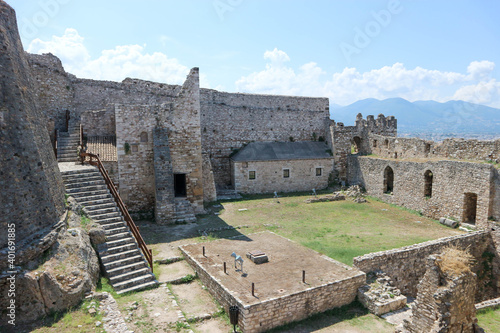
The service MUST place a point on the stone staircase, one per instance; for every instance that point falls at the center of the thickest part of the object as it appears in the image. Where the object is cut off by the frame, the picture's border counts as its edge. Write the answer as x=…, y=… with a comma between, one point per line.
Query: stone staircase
x=123, y=262
x=184, y=212
x=67, y=143
x=227, y=194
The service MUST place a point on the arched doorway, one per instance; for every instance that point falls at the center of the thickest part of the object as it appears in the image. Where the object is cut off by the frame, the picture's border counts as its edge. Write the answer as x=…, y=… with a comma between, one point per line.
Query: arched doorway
x=428, y=177
x=388, y=180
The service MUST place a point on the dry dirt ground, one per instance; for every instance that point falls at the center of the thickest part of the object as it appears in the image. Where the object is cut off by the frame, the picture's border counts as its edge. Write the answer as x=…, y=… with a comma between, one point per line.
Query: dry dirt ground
x=281, y=276
x=170, y=307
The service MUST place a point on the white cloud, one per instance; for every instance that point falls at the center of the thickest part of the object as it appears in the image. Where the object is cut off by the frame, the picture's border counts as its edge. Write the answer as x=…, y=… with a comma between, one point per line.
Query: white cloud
x=277, y=57
x=351, y=85
x=480, y=70
x=115, y=64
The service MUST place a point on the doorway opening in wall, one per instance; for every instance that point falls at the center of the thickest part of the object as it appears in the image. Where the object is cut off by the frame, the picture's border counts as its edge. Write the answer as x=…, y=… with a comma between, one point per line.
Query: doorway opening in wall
x=470, y=208
x=356, y=145
x=427, y=148
x=388, y=180
x=180, y=185
x=428, y=183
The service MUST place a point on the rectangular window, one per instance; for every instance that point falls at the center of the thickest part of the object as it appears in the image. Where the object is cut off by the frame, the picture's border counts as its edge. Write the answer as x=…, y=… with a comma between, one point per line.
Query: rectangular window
x=319, y=171
x=251, y=175
x=286, y=173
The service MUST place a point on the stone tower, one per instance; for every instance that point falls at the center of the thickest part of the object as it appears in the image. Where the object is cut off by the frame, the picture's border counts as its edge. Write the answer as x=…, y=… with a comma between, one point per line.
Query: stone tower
x=32, y=195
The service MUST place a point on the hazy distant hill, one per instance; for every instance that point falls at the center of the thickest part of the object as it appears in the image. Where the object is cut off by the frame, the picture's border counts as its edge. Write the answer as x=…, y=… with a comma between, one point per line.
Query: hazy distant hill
x=453, y=118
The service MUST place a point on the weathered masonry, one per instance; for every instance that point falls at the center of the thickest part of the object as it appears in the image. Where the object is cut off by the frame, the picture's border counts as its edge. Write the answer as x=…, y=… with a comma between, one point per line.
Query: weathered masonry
x=172, y=143
x=463, y=191
x=265, y=167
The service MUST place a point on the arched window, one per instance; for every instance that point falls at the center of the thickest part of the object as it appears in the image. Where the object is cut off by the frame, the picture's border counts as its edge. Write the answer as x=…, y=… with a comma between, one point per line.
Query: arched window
x=386, y=143
x=388, y=180
x=428, y=176
x=144, y=137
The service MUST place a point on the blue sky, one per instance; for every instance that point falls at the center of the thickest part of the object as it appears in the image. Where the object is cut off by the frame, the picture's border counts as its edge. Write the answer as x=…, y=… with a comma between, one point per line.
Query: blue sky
x=344, y=50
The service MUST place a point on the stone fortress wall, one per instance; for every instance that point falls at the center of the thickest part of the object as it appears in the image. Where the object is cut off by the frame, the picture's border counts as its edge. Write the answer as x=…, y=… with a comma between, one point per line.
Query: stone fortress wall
x=347, y=137
x=204, y=126
x=229, y=121
x=451, y=181
x=32, y=192
x=460, y=149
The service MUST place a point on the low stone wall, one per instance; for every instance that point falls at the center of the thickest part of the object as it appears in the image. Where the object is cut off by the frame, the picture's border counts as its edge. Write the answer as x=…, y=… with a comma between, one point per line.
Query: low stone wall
x=278, y=311
x=406, y=266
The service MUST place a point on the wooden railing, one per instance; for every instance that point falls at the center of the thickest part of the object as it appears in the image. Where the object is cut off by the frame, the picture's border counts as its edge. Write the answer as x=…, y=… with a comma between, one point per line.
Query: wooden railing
x=81, y=135
x=95, y=161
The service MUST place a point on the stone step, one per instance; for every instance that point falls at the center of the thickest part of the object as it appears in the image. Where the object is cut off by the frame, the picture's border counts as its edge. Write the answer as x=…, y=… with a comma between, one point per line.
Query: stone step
x=123, y=262
x=126, y=268
x=95, y=207
x=84, y=183
x=95, y=199
x=111, y=232
x=118, y=250
x=86, y=189
x=134, y=281
x=113, y=225
x=80, y=172
x=122, y=241
x=67, y=159
x=118, y=235
x=66, y=150
x=85, y=194
x=102, y=211
x=112, y=220
x=139, y=287
x=104, y=216
x=116, y=279
x=122, y=255
x=74, y=180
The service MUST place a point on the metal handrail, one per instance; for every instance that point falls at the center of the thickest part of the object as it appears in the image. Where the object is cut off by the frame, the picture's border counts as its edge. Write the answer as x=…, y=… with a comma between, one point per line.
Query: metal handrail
x=130, y=223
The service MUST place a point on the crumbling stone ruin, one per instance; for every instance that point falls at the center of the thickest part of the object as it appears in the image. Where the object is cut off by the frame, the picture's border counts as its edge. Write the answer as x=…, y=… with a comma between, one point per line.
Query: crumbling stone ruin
x=445, y=300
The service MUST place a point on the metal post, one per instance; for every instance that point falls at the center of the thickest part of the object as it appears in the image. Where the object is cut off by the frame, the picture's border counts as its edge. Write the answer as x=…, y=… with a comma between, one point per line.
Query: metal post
x=204, y=252
x=225, y=268
x=303, y=276
x=253, y=289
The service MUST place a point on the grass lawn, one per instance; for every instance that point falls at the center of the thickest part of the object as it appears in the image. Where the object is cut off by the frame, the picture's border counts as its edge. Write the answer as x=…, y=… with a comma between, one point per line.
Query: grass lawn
x=489, y=320
x=341, y=230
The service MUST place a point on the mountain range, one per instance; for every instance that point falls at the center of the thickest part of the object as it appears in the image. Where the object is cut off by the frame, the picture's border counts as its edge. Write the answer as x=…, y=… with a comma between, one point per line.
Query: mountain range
x=429, y=119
